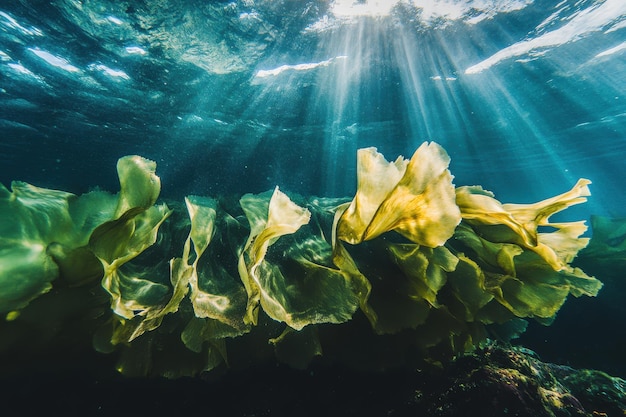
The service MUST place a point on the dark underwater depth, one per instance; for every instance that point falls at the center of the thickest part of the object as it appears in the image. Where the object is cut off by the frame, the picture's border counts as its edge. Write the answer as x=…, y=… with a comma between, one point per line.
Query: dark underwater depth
x=356, y=207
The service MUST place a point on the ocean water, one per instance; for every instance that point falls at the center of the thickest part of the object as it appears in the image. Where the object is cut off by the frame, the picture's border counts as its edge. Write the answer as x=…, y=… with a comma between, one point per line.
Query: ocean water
x=228, y=98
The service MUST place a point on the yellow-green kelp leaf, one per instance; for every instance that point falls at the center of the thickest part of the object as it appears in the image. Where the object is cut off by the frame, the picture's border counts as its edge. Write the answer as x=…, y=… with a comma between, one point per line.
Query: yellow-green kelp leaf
x=530, y=266
x=521, y=280
x=307, y=285
x=425, y=267
x=255, y=208
x=342, y=260
x=527, y=299
x=134, y=229
x=202, y=214
x=304, y=287
x=310, y=281
x=564, y=242
x=282, y=217
x=35, y=212
x=26, y=272
x=479, y=206
x=70, y=250
x=215, y=294
x=376, y=178
x=393, y=300
x=481, y=209
x=359, y=284
x=468, y=285
x=139, y=184
x=307, y=289
x=490, y=255
x=42, y=236
x=119, y=241
x=28, y=218
x=537, y=214
x=422, y=205
x=416, y=199
x=149, y=297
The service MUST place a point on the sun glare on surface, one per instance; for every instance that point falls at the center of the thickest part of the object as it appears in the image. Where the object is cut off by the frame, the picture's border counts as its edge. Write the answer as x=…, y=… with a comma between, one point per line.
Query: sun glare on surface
x=345, y=8
x=457, y=86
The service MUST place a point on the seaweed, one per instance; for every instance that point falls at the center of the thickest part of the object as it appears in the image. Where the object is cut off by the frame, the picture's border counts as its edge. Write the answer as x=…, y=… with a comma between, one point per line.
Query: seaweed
x=432, y=269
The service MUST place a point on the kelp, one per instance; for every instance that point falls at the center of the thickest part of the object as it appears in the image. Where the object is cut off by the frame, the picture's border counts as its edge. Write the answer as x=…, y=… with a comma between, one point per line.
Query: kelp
x=525, y=270
x=521, y=221
x=304, y=287
x=410, y=262
x=215, y=293
x=415, y=198
x=119, y=241
x=278, y=216
x=44, y=236
x=608, y=244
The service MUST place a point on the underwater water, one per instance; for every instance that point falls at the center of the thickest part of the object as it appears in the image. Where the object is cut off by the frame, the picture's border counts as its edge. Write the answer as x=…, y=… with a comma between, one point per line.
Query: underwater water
x=525, y=97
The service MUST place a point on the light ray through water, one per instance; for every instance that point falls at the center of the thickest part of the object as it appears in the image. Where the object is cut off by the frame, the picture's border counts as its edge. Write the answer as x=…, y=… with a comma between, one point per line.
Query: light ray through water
x=480, y=109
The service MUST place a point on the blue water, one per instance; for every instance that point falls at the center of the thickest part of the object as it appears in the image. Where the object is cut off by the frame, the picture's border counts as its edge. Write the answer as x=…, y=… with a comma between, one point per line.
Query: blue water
x=84, y=83
x=233, y=97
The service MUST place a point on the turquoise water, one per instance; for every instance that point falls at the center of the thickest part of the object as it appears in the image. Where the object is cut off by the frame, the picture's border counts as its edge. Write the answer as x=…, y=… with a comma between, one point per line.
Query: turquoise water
x=526, y=97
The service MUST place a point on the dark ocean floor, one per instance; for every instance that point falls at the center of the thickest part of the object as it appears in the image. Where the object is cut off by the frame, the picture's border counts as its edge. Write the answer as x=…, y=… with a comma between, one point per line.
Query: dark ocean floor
x=493, y=381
